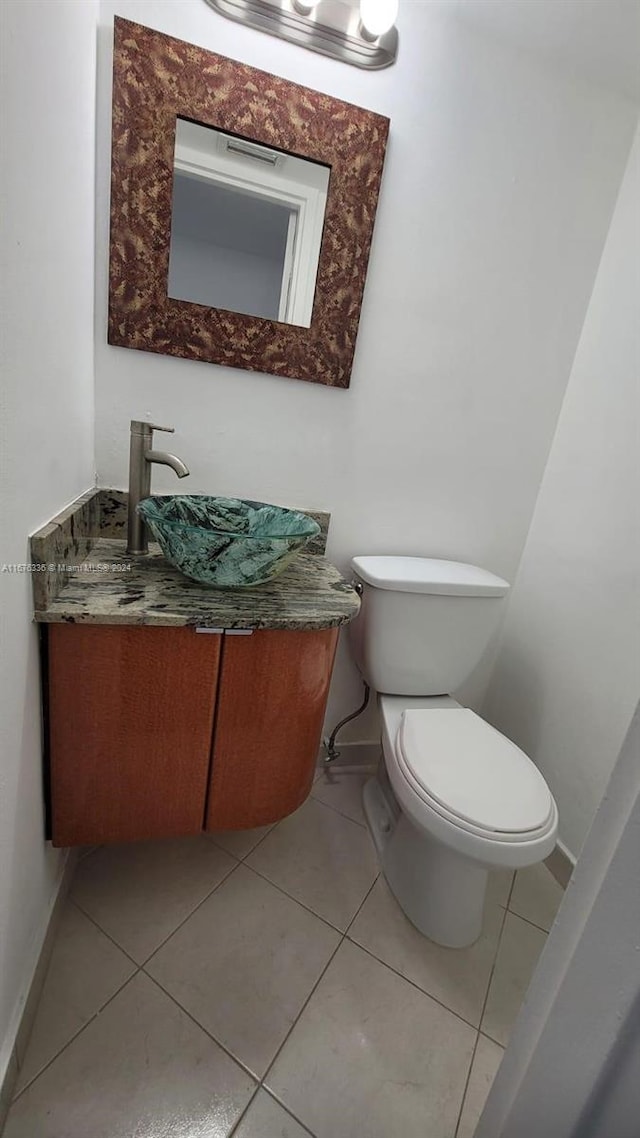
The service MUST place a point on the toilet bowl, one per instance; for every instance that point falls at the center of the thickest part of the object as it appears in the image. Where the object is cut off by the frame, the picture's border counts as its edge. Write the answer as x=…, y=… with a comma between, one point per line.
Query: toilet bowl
x=453, y=797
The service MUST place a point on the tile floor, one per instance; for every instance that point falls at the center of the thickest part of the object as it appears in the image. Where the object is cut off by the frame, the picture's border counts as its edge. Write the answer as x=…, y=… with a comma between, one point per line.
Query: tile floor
x=265, y=984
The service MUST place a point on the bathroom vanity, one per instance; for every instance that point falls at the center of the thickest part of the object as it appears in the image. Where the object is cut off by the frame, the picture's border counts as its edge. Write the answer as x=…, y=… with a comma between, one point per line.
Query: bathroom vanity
x=170, y=707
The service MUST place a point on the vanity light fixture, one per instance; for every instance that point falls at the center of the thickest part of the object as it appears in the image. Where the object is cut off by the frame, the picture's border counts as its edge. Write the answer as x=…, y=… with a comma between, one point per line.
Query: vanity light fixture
x=361, y=32
x=377, y=17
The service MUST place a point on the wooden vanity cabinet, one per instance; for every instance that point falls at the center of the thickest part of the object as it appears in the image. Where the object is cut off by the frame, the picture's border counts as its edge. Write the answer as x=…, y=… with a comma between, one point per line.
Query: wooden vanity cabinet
x=158, y=732
x=130, y=719
x=271, y=703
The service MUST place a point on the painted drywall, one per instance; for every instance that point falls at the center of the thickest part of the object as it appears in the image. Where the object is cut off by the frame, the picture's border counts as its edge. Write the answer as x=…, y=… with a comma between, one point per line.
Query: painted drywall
x=500, y=181
x=47, y=77
x=223, y=277
x=567, y=674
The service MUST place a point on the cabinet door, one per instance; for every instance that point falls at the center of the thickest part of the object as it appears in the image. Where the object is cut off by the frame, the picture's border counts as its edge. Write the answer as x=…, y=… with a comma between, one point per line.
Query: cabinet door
x=130, y=723
x=271, y=703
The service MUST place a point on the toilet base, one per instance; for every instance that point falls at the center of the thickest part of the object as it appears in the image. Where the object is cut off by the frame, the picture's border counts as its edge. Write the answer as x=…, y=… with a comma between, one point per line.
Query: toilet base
x=440, y=891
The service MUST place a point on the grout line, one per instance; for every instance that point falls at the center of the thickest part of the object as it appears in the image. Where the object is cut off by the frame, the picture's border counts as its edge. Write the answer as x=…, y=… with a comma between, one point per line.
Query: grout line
x=413, y=984
x=198, y=906
x=339, y=944
x=276, y=1100
x=360, y=825
x=302, y=1009
x=140, y=964
x=513, y=885
x=244, y=1111
x=365, y=898
x=271, y=827
x=528, y=920
x=497, y=1042
x=291, y=897
x=193, y=911
x=238, y=1062
x=284, y=1106
x=466, y=1083
x=226, y=877
x=505, y=910
x=330, y=804
x=75, y=1035
x=493, y=966
x=103, y=931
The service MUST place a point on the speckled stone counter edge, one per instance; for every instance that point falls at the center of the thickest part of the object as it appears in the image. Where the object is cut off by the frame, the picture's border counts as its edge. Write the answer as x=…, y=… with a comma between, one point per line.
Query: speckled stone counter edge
x=66, y=540
x=310, y=594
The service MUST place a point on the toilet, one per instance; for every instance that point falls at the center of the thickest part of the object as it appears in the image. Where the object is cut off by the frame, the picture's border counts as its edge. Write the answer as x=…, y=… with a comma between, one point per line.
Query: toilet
x=453, y=798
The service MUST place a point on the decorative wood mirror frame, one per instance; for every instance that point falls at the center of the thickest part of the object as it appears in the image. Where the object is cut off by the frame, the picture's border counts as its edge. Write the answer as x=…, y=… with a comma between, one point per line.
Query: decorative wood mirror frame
x=155, y=80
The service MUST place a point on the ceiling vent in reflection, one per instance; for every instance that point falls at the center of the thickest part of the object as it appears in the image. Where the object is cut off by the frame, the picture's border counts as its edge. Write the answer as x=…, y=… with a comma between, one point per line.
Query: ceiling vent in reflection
x=248, y=150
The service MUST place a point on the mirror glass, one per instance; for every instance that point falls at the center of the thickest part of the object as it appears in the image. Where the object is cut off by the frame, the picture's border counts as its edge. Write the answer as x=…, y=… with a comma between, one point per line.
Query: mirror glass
x=246, y=225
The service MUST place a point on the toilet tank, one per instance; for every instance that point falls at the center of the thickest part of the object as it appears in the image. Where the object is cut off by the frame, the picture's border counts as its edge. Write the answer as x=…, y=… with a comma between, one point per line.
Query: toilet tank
x=423, y=624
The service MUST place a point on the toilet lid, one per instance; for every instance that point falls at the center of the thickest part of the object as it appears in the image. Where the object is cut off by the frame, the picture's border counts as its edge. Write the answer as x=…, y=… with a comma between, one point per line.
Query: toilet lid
x=471, y=771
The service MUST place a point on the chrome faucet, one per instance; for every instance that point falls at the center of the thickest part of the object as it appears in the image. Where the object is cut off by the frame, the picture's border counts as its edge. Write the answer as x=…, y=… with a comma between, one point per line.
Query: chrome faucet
x=141, y=456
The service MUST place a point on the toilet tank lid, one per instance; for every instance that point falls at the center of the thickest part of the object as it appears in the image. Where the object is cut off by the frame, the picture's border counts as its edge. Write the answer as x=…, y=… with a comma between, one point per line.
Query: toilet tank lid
x=427, y=575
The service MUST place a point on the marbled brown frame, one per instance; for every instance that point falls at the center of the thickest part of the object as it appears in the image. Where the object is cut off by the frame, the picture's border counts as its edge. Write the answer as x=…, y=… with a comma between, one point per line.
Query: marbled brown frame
x=156, y=79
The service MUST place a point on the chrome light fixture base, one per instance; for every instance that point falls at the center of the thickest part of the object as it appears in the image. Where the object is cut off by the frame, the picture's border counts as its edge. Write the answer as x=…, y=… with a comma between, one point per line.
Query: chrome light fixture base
x=332, y=27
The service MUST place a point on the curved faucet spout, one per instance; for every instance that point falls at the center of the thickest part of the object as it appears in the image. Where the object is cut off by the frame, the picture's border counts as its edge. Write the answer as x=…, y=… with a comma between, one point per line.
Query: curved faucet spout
x=165, y=459
x=141, y=457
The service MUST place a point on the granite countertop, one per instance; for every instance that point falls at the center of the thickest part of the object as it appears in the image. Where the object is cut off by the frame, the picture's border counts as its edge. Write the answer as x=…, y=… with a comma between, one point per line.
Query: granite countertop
x=89, y=579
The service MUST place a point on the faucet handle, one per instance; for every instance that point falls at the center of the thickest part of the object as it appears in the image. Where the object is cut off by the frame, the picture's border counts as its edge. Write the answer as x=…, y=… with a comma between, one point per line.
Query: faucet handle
x=141, y=427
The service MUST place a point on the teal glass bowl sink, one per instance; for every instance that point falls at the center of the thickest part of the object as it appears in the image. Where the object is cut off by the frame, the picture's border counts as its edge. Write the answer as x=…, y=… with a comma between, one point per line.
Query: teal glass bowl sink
x=230, y=543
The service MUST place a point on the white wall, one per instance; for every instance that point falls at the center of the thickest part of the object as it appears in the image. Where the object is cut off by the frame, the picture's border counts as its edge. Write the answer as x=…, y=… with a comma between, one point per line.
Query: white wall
x=567, y=676
x=223, y=277
x=46, y=361
x=500, y=181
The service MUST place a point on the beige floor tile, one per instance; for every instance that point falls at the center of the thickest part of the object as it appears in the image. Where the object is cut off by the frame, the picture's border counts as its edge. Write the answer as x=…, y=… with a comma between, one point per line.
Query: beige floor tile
x=536, y=896
x=85, y=971
x=322, y=859
x=458, y=977
x=486, y=1061
x=518, y=952
x=239, y=843
x=7, y=1086
x=142, y=1068
x=343, y=791
x=372, y=1057
x=499, y=886
x=265, y=1118
x=244, y=964
x=140, y=892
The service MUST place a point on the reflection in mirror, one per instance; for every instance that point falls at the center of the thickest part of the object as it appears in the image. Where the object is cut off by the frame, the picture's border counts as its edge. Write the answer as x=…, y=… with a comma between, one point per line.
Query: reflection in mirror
x=161, y=84
x=246, y=226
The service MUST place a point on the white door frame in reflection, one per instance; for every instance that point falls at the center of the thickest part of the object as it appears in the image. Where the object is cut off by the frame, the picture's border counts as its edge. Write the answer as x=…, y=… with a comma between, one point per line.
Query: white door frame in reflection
x=254, y=170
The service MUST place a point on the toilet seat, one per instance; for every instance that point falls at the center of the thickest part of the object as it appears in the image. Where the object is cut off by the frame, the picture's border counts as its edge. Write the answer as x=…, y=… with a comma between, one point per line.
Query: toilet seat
x=472, y=776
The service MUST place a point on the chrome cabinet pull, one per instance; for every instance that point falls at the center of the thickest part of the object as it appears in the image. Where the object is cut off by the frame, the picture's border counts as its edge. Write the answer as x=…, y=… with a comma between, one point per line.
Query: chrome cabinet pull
x=228, y=631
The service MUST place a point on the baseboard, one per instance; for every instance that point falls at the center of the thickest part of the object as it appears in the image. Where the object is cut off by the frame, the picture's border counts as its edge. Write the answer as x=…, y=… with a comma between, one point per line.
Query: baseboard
x=15, y=1046
x=561, y=864
x=360, y=755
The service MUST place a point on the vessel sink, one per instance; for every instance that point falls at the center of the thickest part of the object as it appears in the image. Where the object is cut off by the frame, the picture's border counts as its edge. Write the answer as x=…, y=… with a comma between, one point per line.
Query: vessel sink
x=228, y=543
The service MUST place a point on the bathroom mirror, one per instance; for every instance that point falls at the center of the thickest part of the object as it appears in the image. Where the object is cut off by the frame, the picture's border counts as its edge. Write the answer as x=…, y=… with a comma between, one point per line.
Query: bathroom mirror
x=215, y=163
x=246, y=225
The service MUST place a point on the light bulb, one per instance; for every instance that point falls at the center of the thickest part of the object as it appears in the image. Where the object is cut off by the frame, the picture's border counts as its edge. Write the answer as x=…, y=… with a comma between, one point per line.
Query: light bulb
x=377, y=16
